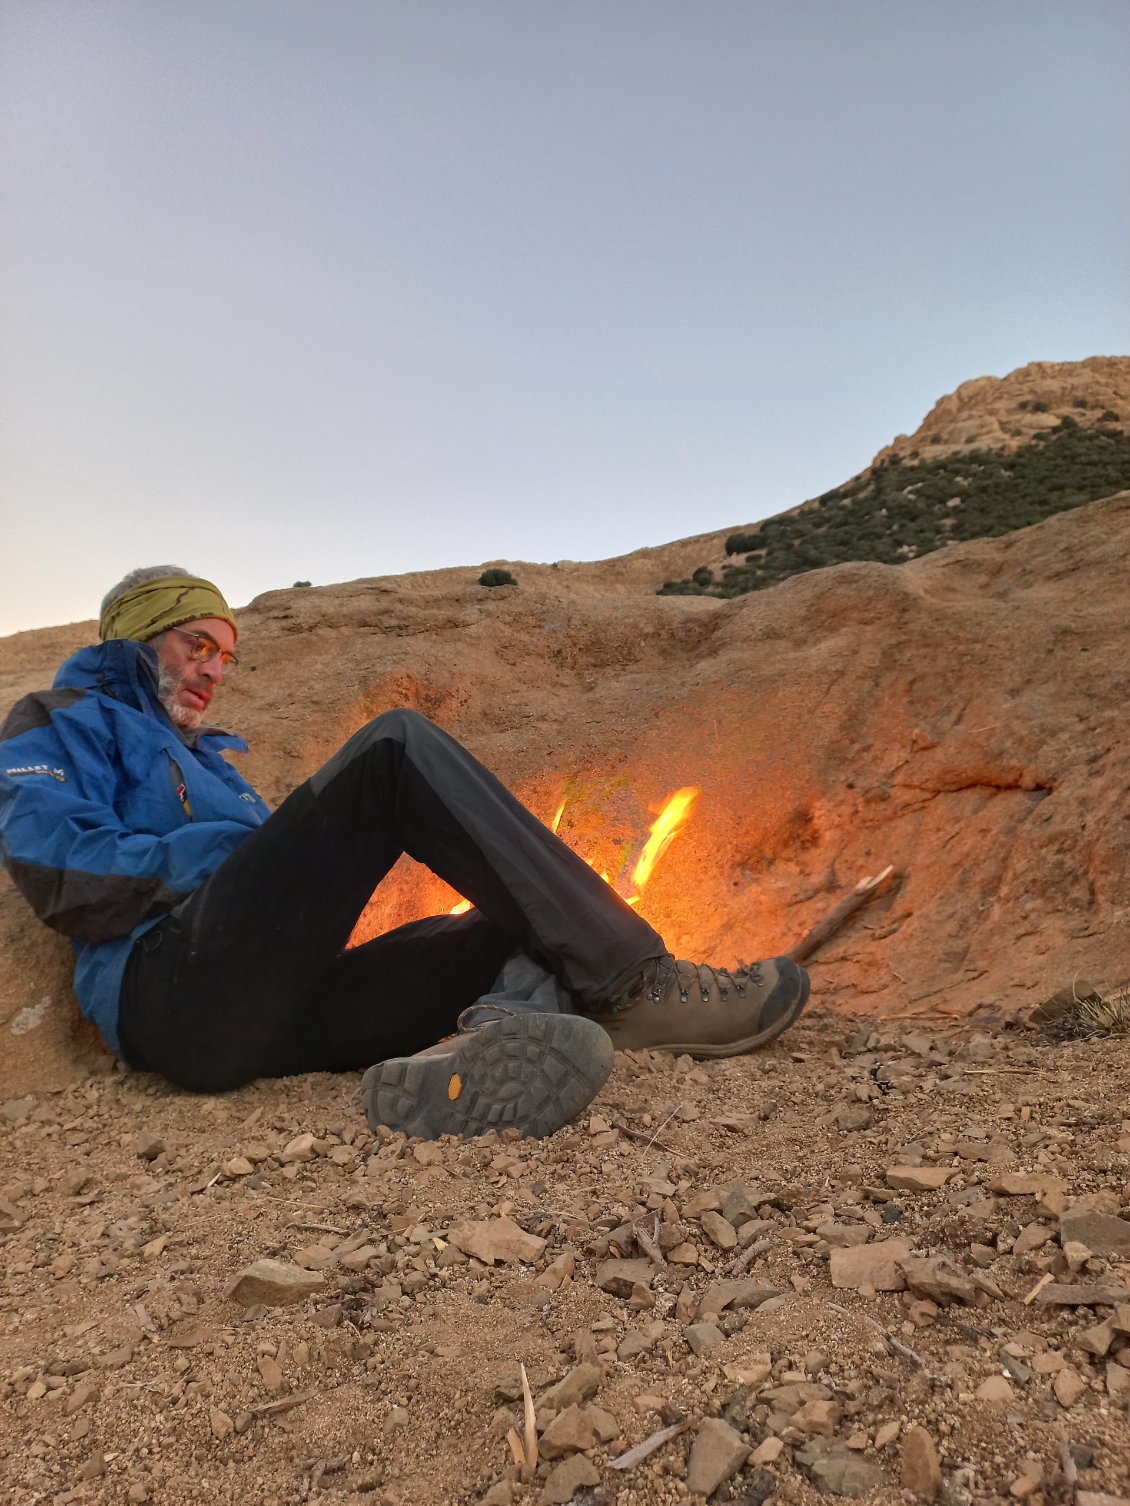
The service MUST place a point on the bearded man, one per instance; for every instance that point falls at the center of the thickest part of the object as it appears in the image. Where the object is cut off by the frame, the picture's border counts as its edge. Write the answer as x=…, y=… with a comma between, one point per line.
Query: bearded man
x=211, y=934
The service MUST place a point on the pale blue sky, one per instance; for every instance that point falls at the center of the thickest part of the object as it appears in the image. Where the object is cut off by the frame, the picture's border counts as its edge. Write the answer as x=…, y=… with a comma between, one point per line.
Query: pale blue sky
x=329, y=288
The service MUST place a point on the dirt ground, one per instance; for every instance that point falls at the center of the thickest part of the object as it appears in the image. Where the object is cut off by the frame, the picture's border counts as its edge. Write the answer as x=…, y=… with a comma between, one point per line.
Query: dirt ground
x=127, y=1372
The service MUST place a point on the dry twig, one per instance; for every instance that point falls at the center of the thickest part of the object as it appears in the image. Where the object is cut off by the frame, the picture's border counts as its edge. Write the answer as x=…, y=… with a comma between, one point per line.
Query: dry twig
x=649, y=1445
x=836, y=918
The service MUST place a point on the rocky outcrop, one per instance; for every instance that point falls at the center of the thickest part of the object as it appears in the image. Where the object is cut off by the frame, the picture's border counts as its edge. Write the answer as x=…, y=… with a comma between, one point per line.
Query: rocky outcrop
x=960, y=717
x=1002, y=413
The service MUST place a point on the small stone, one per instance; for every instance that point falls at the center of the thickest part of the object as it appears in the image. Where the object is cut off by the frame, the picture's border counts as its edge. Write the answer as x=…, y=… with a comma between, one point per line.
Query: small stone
x=708, y=1201
x=619, y=1276
x=1028, y=1482
x=396, y=1418
x=819, y=1417
x=835, y=1468
x=716, y=1455
x=238, y=1166
x=428, y=1153
x=918, y=1178
x=315, y=1257
x=703, y=1336
x=155, y=1247
x=221, y=1424
x=1068, y=1386
x=1099, y=1498
x=496, y=1240
x=740, y=1204
x=683, y=1254
x=357, y=1260
x=1076, y=1255
x=851, y=1117
x=641, y=1299
x=887, y=1433
x=1097, y=1339
x=1022, y=1183
x=84, y=1392
x=148, y=1147
x=997, y=1391
x=578, y=1385
x=722, y=1295
x=768, y=1452
x=557, y=1272
x=1117, y=1379
x=1120, y=1322
x=94, y=1466
x=937, y=1279
x=753, y=1370
x=274, y=1283
x=639, y=1341
x=566, y=1478
x=873, y=1265
x=114, y=1359
x=1032, y=1237
x=720, y=1230
x=301, y=1148
x=919, y=1467
x=570, y=1432
x=271, y=1372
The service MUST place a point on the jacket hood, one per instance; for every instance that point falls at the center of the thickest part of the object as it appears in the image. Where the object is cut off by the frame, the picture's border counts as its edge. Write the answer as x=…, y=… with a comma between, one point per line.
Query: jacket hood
x=126, y=671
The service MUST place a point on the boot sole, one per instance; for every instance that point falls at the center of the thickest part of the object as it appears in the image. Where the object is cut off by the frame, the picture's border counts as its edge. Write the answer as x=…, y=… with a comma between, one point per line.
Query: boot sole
x=793, y=986
x=529, y=1072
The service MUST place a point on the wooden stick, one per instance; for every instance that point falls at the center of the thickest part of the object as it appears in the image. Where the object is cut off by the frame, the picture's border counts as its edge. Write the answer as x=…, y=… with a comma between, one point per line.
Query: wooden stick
x=825, y=929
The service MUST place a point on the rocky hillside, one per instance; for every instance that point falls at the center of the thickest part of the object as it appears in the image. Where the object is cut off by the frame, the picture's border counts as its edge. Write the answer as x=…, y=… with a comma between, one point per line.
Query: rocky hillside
x=960, y=717
x=996, y=455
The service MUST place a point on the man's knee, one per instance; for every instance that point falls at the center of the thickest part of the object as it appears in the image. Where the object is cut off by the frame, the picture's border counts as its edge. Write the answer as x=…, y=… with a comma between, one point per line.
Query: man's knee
x=399, y=728
x=400, y=724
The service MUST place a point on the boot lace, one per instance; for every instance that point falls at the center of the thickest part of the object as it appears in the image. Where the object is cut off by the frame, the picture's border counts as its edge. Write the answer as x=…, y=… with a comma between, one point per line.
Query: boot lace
x=664, y=974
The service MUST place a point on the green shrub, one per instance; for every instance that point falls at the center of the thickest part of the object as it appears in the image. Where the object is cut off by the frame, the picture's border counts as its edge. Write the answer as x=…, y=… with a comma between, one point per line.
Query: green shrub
x=901, y=510
x=741, y=543
x=300, y=583
x=496, y=577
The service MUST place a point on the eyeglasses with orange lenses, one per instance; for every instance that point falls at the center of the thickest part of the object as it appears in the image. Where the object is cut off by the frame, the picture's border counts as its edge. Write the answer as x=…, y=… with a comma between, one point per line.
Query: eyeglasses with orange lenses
x=204, y=648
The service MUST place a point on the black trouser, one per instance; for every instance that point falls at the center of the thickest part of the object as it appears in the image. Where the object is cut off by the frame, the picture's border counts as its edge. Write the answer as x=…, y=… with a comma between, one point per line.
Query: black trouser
x=249, y=977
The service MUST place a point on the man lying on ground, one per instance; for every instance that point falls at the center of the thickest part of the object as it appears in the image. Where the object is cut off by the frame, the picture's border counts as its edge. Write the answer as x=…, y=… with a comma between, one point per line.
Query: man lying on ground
x=211, y=934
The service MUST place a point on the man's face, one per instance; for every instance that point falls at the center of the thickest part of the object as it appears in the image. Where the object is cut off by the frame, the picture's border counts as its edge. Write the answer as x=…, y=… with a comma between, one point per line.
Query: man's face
x=187, y=681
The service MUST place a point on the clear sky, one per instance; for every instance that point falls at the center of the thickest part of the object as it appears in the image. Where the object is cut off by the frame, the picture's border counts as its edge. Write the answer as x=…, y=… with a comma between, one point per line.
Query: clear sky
x=318, y=289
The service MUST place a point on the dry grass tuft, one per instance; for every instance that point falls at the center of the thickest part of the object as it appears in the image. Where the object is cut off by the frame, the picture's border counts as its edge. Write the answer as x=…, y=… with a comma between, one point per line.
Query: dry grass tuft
x=1084, y=1012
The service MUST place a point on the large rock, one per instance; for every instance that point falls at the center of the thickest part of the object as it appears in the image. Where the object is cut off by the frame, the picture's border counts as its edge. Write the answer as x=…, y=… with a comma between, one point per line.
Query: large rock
x=876, y=1265
x=716, y=1453
x=1102, y=1233
x=273, y=1283
x=954, y=690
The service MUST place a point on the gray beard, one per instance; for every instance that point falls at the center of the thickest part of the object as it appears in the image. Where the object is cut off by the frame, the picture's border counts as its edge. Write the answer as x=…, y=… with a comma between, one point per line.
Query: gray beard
x=187, y=722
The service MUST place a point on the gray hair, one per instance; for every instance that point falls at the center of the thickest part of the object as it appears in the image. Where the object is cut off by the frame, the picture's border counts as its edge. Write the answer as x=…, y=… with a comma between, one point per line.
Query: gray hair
x=138, y=578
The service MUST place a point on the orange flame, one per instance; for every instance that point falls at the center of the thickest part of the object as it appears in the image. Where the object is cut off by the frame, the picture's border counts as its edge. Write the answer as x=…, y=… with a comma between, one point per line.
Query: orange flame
x=666, y=827
x=669, y=823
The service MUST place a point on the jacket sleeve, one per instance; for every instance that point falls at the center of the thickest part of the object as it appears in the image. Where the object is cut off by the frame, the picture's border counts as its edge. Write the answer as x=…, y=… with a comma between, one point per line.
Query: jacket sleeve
x=79, y=868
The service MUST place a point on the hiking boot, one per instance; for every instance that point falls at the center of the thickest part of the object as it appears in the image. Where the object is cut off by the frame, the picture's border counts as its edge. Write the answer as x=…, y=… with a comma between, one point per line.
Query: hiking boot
x=530, y=1072
x=696, y=1010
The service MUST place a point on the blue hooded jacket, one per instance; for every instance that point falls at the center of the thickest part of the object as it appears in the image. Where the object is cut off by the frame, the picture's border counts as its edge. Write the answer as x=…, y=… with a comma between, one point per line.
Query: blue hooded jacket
x=108, y=819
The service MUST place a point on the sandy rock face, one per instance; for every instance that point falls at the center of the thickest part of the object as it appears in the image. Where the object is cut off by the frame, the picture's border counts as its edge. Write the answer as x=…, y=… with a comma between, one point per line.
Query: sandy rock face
x=959, y=717
x=1002, y=413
